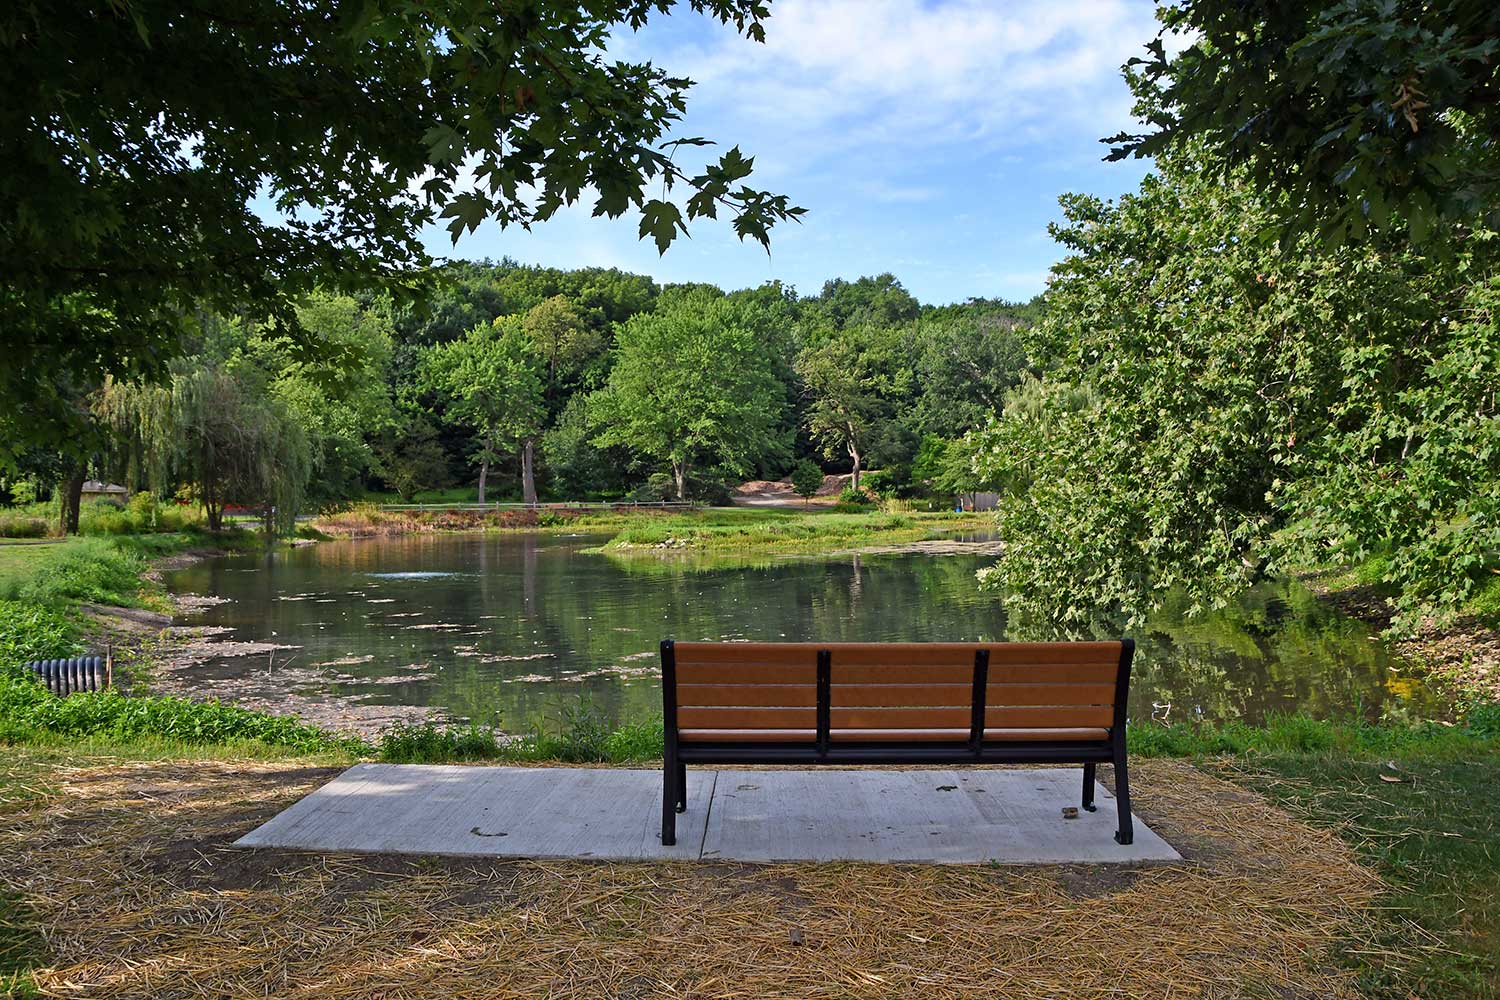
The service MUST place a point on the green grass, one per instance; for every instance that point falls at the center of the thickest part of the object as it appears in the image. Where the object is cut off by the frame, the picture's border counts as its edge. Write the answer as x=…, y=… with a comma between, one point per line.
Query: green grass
x=30, y=714
x=1417, y=802
x=582, y=737
x=1480, y=733
x=1434, y=836
x=788, y=532
x=96, y=570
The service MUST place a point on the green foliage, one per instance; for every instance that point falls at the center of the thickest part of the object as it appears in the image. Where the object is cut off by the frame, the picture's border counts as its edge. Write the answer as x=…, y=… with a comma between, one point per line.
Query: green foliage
x=138, y=136
x=31, y=631
x=807, y=479
x=409, y=457
x=26, y=705
x=215, y=426
x=1369, y=115
x=581, y=737
x=691, y=386
x=492, y=380
x=23, y=526
x=84, y=569
x=143, y=514
x=427, y=743
x=847, y=396
x=1214, y=409
x=850, y=496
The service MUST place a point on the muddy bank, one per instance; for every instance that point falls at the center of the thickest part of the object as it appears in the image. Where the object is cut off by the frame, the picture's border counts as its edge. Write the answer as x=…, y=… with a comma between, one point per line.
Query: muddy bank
x=1461, y=659
x=168, y=654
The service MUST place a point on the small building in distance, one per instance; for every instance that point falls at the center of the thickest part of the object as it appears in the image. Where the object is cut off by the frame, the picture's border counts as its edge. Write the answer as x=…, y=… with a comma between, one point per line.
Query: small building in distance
x=95, y=490
x=978, y=501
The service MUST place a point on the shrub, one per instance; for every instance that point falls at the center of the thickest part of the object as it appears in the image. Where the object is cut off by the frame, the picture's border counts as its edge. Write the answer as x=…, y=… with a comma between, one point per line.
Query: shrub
x=1483, y=720
x=807, y=479
x=84, y=569
x=427, y=743
x=856, y=497
x=23, y=526
x=33, y=632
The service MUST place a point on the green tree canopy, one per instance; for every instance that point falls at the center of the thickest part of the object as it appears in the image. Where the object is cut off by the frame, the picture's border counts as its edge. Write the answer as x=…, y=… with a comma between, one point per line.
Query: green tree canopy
x=1368, y=114
x=161, y=158
x=1213, y=407
x=846, y=408
x=493, y=380
x=692, y=385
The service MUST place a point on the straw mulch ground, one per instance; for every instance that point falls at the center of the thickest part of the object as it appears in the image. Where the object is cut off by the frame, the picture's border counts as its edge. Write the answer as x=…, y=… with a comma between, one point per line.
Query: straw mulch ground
x=128, y=871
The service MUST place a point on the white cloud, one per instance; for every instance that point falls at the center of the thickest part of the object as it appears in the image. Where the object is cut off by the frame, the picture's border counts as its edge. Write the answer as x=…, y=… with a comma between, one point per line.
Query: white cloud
x=911, y=73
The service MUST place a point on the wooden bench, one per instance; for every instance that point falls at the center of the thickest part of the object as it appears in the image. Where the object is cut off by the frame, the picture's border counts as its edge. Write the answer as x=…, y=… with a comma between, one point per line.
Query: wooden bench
x=895, y=703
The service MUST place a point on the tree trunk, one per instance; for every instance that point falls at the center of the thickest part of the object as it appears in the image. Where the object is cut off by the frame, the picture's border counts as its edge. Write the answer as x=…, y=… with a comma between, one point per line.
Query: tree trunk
x=528, y=474
x=854, y=454
x=679, y=474
x=484, y=474
x=70, y=493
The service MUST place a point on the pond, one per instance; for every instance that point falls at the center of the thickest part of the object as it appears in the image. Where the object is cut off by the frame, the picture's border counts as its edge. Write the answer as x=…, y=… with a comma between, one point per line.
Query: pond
x=512, y=628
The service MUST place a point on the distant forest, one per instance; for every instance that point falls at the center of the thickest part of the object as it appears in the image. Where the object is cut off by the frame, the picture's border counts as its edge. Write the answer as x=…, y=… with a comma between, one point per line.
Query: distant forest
x=548, y=384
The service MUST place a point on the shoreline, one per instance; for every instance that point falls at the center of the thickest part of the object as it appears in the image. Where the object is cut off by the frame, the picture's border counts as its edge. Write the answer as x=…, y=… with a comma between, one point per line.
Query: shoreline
x=1459, y=660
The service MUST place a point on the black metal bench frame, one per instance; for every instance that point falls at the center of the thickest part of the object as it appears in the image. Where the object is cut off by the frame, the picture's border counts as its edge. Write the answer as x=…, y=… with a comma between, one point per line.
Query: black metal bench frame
x=1089, y=753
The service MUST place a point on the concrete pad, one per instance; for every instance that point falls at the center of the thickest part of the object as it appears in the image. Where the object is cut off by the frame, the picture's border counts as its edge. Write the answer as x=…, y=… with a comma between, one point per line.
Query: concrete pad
x=964, y=816
x=958, y=816
x=528, y=812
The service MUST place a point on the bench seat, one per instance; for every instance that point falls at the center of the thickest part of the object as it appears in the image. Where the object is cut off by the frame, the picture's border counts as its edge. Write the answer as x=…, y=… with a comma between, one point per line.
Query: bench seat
x=894, y=703
x=809, y=736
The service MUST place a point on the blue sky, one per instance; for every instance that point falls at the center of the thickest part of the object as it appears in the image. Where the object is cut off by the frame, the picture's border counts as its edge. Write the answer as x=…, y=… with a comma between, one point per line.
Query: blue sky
x=929, y=138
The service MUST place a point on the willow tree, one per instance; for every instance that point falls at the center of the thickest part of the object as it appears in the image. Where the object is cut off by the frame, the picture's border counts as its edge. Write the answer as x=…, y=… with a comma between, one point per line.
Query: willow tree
x=215, y=430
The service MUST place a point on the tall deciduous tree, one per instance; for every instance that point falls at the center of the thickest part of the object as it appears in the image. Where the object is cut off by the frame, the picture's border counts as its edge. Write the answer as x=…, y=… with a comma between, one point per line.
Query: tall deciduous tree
x=845, y=406
x=692, y=385
x=493, y=381
x=136, y=134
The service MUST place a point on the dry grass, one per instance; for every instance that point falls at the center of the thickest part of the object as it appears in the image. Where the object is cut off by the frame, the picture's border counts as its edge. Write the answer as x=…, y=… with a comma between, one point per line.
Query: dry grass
x=128, y=868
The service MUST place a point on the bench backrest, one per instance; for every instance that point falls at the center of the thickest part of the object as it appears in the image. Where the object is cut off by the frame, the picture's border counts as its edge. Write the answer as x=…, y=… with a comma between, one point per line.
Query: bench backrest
x=909, y=692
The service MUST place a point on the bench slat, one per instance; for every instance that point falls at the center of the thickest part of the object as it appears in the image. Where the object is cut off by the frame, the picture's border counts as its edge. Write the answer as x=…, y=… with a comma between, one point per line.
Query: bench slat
x=808, y=736
x=903, y=735
x=961, y=695
x=730, y=695
x=748, y=652
x=900, y=718
x=746, y=673
x=997, y=695
x=901, y=695
x=1047, y=717
x=897, y=653
x=1062, y=673
x=695, y=717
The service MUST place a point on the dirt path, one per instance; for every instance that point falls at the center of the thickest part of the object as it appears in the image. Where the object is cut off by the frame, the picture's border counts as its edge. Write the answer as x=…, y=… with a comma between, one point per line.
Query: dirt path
x=128, y=870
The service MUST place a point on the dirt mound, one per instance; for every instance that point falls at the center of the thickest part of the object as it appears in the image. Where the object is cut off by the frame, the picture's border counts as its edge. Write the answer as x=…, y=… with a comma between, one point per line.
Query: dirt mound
x=832, y=486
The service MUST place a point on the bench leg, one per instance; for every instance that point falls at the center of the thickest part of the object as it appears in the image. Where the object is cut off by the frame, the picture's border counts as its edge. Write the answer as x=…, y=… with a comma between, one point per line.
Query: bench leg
x=669, y=772
x=1126, y=833
x=681, y=787
x=1088, y=787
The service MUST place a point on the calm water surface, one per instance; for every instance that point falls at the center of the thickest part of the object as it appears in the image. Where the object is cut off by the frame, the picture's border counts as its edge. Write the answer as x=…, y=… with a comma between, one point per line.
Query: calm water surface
x=510, y=628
